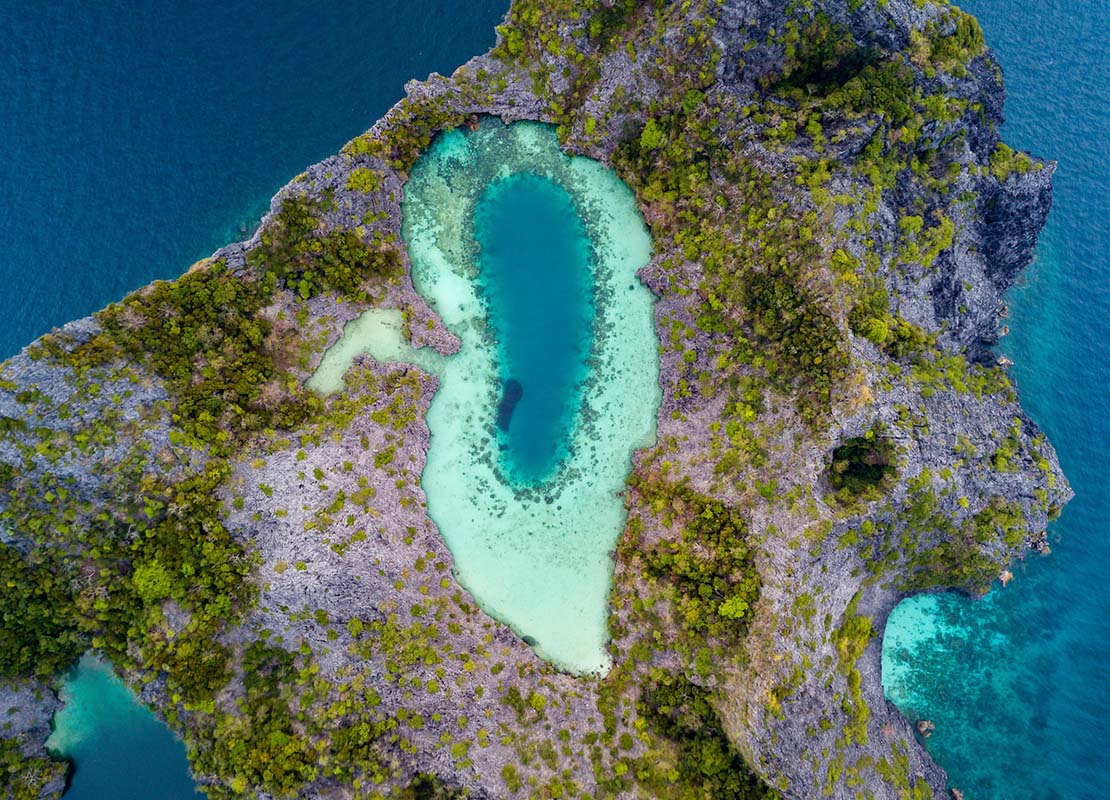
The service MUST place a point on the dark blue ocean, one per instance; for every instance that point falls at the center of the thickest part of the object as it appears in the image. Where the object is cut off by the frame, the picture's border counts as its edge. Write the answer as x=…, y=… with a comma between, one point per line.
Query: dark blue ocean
x=136, y=138
x=1018, y=684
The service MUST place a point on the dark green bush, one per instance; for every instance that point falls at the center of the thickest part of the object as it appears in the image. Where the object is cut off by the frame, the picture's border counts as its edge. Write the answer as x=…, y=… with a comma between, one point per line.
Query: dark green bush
x=39, y=633
x=825, y=57
x=708, y=765
x=23, y=778
x=872, y=319
x=204, y=335
x=430, y=787
x=864, y=466
x=755, y=288
x=964, y=43
x=710, y=569
x=260, y=745
x=303, y=259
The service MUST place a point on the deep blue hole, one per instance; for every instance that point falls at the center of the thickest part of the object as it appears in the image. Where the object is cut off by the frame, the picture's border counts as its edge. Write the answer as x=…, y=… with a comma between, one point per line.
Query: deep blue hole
x=536, y=275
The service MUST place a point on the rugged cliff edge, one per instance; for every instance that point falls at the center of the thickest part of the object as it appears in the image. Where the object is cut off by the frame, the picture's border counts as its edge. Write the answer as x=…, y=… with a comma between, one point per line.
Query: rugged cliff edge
x=835, y=222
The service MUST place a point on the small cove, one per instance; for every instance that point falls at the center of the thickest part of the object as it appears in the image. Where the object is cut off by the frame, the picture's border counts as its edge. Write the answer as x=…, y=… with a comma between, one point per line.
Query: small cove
x=119, y=749
x=530, y=257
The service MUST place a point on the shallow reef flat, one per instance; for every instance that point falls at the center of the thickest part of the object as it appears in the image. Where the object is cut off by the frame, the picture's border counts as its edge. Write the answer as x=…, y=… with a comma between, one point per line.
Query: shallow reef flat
x=379, y=333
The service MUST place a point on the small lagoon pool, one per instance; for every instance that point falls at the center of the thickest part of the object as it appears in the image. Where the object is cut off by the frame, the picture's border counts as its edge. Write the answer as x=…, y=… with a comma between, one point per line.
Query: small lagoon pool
x=119, y=749
x=530, y=257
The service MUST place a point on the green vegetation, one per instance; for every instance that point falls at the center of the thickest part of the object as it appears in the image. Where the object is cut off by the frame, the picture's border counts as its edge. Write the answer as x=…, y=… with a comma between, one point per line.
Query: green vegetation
x=757, y=298
x=863, y=467
x=532, y=28
x=708, y=572
x=967, y=556
x=511, y=778
x=261, y=746
x=302, y=258
x=871, y=318
x=430, y=787
x=852, y=639
x=225, y=362
x=415, y=121
x=942, y=552
x=37, y=613
x=169, y=550
x=741, y=206
x=822, y=57
x=23, y=778
x=364, y=180
x=951, y=50
x=828, y=68
x=707, y=766
x=204, y=335
x=1005, y=161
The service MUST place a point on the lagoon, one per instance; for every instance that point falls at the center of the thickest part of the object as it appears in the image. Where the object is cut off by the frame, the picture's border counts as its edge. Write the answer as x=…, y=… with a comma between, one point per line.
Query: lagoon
x=534, y=556
x=530, y=257
x=119, y=749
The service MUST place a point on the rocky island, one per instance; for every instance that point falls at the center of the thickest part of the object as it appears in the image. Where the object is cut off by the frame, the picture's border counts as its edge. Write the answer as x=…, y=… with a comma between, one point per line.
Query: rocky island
x=833, y=223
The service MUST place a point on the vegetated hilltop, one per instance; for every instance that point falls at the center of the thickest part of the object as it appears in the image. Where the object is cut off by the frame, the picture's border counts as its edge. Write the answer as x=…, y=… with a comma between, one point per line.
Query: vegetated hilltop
x=835, y=221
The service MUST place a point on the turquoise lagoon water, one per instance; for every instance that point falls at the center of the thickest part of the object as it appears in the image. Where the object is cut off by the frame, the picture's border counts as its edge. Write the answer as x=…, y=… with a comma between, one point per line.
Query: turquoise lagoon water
x=121, y=750
x=137, y=137
x=1018, y=683
x=379, y=333
x=530, y=257
x=535, y=273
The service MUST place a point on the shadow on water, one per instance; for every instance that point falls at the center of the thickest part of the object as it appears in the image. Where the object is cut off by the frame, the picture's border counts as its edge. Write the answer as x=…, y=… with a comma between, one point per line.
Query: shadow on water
x=511, y=393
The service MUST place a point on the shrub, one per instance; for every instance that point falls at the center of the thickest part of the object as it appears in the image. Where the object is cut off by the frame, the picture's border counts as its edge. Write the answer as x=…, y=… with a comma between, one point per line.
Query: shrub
x=709, y=570
x=863, y=467
x=24, y=778
x=364, y=180
x=304, y=259
x=38, y=616
x=1005, y=161
x=708, y=764
x=204, y=334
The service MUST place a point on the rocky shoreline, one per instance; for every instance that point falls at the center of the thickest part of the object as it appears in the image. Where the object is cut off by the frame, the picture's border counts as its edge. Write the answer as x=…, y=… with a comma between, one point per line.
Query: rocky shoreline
x=28, y=709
